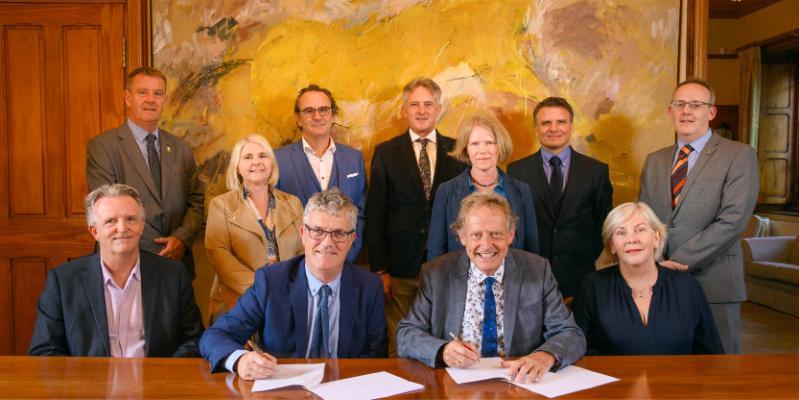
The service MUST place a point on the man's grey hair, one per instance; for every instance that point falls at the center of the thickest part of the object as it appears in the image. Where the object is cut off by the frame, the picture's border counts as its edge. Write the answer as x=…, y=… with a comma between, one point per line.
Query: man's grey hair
x=476, y=200
x=331, y=202
x=110, y=190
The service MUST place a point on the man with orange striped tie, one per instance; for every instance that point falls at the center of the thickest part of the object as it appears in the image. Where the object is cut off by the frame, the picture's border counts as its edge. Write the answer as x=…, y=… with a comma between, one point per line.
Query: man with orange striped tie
x=704, y=188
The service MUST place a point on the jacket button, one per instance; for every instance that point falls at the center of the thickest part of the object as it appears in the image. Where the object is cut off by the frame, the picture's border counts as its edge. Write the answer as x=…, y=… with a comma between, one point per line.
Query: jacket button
x=423, y=231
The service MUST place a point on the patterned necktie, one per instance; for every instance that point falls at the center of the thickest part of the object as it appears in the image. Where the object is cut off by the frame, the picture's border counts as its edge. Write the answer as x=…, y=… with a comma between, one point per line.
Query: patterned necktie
x=489, y=345
x=555, y=181
x=679, y=174
x=424, y=167
x=154, y=163
x=321, y=332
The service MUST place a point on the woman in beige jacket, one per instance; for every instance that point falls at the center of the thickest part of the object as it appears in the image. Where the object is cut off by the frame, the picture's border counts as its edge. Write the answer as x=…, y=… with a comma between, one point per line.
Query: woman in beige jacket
x=252, y=225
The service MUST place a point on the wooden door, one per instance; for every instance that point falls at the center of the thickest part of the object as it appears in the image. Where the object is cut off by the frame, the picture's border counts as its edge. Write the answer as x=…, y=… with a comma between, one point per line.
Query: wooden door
x=61, y=83
x=776, y=135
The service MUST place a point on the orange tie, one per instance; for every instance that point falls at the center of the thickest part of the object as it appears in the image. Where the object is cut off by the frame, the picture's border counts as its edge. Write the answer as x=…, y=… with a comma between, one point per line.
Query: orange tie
x=679, y=174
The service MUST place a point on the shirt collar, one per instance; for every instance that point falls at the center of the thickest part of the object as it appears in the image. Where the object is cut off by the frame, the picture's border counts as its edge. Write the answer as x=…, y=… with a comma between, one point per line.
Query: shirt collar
x=697, y=144
x=109, y=280
x=475, y=272
x=314, y=284
x=140, y=133
x=430, y=136
x=308, y=149
x=564, y=155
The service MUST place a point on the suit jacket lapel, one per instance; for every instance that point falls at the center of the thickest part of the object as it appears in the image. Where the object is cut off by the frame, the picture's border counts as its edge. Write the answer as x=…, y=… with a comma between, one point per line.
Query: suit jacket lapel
x=575, y=180
x=512, y=284
x=298, y=292
x=150, y=286
x=703, y=159
x=168, y=161
x=135, y=157
x=441, y=158
x=303, y=170
x=539, y=178
x=459, y=276
x=95, y=296
x=349, y=292
x=244, y=217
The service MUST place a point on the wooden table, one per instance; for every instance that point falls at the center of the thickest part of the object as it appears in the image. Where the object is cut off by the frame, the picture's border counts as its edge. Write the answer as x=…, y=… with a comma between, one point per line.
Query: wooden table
x=668, y=377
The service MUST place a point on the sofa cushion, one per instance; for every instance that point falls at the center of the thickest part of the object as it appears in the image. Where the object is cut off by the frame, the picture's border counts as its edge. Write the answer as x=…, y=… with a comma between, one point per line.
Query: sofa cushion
x=788, y=273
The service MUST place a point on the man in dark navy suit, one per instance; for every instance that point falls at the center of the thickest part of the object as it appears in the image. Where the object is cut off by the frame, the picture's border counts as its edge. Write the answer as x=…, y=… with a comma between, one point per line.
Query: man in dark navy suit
x=573, y=195
x=316, y=305
x=315, y=162
x=120, y=301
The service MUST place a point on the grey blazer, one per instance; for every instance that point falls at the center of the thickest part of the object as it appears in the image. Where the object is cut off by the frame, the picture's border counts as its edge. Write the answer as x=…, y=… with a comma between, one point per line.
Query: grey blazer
x=535, y=317
x=717, y=200
x=114, y=157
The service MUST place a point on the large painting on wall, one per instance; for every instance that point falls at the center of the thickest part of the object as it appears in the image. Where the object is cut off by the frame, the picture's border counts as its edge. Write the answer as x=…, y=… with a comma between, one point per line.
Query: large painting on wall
x=235, y=67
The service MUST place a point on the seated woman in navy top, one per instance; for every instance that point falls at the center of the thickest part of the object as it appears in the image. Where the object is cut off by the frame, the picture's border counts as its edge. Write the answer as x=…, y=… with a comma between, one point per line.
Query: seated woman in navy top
x=637, y=306
x=483, y=143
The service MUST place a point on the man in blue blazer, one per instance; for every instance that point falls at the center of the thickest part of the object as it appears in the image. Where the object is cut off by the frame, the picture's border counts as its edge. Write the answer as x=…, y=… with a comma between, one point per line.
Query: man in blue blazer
x=315, y=162
x=122, y=301
x=316, y=305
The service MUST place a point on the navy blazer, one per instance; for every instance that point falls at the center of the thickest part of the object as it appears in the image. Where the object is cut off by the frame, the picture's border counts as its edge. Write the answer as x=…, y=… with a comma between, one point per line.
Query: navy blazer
x=442, y=239
x=276, y=305
x=71, y=312
x=349, y=175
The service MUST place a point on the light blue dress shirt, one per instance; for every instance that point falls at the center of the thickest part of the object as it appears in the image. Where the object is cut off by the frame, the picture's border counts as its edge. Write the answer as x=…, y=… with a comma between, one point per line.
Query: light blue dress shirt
x=698, y=145
x=565, y=160
x=140, y=136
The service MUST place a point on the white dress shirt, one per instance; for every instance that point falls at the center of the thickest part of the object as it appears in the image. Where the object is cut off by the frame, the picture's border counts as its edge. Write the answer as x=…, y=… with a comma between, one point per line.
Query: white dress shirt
x=322, y=166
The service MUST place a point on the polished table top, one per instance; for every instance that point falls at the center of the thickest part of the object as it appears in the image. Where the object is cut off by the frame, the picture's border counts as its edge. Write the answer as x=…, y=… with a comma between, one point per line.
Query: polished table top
x=674, y=377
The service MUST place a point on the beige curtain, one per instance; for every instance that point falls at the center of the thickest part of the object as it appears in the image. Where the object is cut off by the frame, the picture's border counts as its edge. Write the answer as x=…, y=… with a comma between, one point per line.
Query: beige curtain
x=749, y=108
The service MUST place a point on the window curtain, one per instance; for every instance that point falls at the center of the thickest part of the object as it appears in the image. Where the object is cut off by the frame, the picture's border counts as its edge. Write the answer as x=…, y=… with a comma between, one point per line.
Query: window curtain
x=749, y=109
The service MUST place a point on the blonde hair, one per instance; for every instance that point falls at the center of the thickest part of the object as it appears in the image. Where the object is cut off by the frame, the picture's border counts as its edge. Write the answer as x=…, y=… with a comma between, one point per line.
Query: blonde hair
x=477, y=200
x=232, y=177
x=620, y=215
x=488, y=122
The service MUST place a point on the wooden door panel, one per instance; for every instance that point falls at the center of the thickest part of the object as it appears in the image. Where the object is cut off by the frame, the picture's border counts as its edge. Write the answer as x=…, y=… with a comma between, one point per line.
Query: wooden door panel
x=61, y=83
x=777, y=119
x=25, y=77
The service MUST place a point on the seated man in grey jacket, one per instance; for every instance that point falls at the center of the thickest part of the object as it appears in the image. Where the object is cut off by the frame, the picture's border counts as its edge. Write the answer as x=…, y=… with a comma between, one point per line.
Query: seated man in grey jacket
x=488, y=300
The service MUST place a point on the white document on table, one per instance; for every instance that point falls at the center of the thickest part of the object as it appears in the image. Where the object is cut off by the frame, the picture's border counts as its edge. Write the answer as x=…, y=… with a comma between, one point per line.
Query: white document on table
x=370, y=386
x=305, y=375
x=552, y=384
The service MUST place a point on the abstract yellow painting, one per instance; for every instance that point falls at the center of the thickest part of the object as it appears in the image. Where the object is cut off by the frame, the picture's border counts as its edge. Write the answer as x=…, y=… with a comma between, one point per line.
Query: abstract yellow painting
x=235, y=68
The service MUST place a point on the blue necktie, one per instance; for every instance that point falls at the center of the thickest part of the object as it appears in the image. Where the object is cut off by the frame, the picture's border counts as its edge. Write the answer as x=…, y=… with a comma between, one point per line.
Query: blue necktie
x=321, y=332
x=489, y=346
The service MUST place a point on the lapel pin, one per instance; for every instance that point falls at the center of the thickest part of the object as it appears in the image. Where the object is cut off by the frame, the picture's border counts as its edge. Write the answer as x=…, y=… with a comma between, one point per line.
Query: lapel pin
x=168, y=149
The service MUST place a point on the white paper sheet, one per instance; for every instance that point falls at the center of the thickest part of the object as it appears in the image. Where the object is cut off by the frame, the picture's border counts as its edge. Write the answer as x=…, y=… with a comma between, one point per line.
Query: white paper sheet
x=552, y=384
x=370, y=386
x=305, y=375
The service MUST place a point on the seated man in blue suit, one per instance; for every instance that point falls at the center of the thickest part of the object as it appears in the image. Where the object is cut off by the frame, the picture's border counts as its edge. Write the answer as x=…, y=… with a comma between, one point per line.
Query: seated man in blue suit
x=488, y=300
x=121, y=301
x=316, y=305
x=315, y=162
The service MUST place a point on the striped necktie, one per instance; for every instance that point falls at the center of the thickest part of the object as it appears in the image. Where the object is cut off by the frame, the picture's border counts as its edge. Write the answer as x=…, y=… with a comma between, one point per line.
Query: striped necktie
x=679, y=174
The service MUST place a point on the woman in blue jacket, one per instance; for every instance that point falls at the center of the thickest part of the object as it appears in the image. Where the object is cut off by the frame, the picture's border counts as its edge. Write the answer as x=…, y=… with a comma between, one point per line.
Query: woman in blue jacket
x=483, y=143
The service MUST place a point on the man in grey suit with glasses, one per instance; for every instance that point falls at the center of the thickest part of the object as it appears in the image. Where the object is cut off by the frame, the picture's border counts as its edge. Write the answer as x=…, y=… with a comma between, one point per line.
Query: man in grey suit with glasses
x=704, y=188
x=488, y=300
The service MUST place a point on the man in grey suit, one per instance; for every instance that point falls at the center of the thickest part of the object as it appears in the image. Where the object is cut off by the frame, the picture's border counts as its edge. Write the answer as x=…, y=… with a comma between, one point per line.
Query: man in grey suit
x=704, y=188
x=158, y=165
x=120, y=302
x=488, y=300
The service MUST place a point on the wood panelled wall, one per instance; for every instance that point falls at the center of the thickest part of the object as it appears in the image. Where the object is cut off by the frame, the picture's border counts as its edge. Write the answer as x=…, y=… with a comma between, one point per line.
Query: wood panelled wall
x=61, y=82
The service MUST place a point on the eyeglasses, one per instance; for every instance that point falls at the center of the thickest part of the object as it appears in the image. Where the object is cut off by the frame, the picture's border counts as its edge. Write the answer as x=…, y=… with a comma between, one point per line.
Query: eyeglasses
x=693, y=105
x=338, y=236
x=310, y=111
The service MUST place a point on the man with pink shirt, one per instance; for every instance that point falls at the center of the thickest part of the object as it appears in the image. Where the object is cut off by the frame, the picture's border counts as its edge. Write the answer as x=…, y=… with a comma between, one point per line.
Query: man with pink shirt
x=121, y=301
